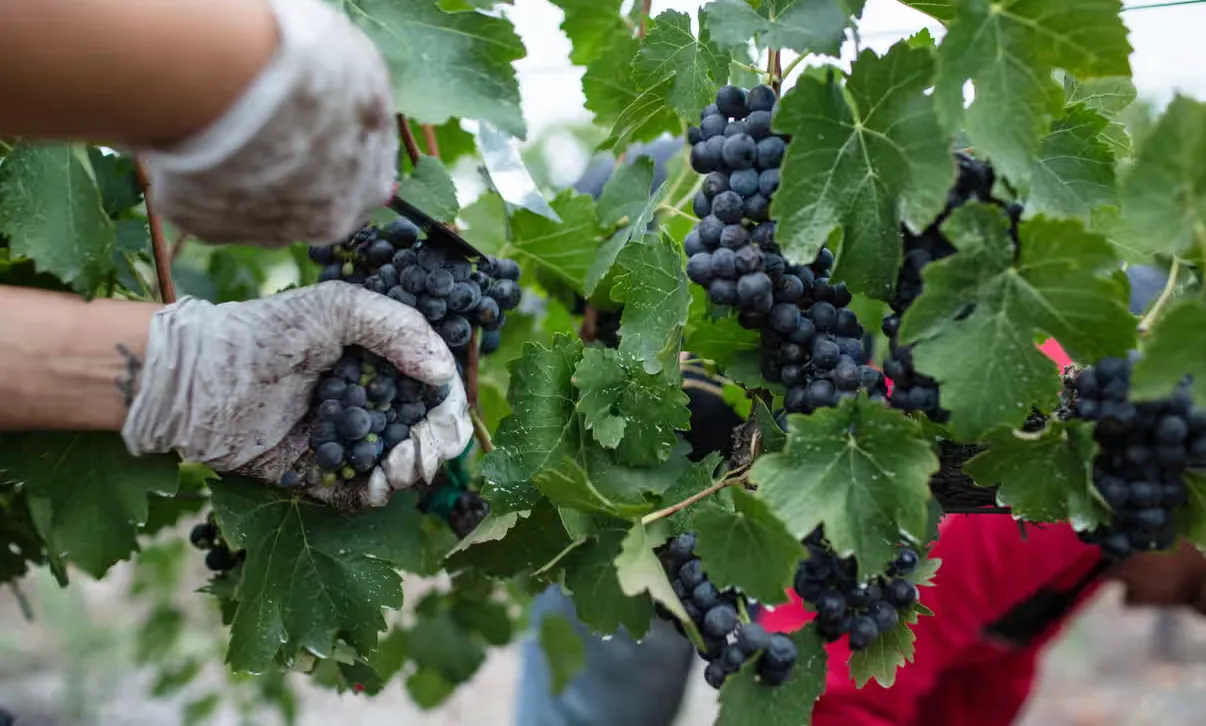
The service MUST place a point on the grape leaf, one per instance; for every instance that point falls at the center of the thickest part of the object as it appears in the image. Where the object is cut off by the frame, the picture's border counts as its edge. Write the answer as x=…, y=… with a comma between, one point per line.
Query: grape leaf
x=51, y=212
x=430, y=188
x=20, y=545
x=744, y=701
x=625, y=199
x=693, y=480
x=875, y=154
x=532, y=543
x=1173, y=351
x=599, y=601
x=491, y=529
x=888, y=652
x=564, y=651
x=861, y=469
x=713, y=338
x=591, y=26
x=542, y=427
x=1061, y=286
x=774, y=438
x=438, y=643
x=1009, y=49
x=1191, y=519
x=693, y=67
x=629, y=410
x=1106, y=96
x=312, y=572
x=430, y=51
x=640, y=571
x=568, y=484
x=1046, y=477
x=1074, y=171
x=463, y=6
x=626, y=192
x=613, y=96
x=117, y=179
x=748, y=548
x=87, y=495
x=564, y=249
x=652, y=284
x=805, y=26
x=1164, y=191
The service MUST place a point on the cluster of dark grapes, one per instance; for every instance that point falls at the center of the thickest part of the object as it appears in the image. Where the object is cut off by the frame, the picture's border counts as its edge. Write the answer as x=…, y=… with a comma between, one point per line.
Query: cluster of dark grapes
x=861, y=609
x=811, y=342
x=728, y=642
x=913, y=391
x=1145, y=447
x=453, y=295
x=463, y=509
x=219, y=557
x=362, y=409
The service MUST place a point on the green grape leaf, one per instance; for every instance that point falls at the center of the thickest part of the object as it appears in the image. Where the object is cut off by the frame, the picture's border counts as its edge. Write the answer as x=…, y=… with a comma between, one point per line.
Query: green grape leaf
x=51, y=211
x=599, y=601
x=430, y=188
x=693, y=480
x=437, y=642
x=87, y=495
x=861, y=469
x=652, y=285
x=1172, y=352
x=542, y=427
x=805, y=26
x=888, y=652
x=1044, y=477
x=564, y=651
x=773, y=437
x=311, y=572
x=1107, y=96
x=564, y=249
x=568, y=484
x=1008, y=50
x=1074, y=171
x=534, y=542
x=485, y=224
x=693, y=67
x=748, y=548
x=20, y=545
x=426, y=687
x=744, y=701
x=613, y=96
x=591, y=26
x=491, y=529
x=640, y=571
x=712, y=338
x=875, y=154
x=625, y=199
x=1164, y=191
x=1190, y=520
x=1061, y=285
x=430, y=51
x=627, y=192
x=117, y=179
x=629, y=410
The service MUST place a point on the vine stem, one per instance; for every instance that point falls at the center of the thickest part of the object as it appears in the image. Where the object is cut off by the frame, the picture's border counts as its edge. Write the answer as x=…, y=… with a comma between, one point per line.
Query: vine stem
x=774, y=70
x=646, y=9
x=408, y=139
x=590, y=324
x=471, y=371
x=728, y=481
x=480, y=431
x=429, y=138
x=1165, y=295
x=163, y=262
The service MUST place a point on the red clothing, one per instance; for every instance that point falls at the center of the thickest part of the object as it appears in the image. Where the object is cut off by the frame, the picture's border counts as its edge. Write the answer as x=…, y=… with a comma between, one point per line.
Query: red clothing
x=961, y=676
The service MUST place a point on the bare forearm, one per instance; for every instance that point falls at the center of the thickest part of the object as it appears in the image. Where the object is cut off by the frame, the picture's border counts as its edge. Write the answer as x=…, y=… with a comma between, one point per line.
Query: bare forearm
x=137, y=72
x=67, y=364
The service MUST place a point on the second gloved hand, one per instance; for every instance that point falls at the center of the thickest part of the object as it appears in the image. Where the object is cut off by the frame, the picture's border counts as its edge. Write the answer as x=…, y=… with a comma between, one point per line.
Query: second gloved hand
x=230, y=386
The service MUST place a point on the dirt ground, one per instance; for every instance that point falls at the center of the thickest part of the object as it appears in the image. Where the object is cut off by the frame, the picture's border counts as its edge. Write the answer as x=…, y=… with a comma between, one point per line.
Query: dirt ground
x=71, y=667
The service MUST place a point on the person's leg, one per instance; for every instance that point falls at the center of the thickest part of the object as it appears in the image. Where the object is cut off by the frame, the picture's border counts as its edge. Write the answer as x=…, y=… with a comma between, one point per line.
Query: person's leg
x=623, y=683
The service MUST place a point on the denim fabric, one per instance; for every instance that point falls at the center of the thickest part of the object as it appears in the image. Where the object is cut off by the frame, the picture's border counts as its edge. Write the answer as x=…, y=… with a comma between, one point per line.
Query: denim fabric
x=624, y=683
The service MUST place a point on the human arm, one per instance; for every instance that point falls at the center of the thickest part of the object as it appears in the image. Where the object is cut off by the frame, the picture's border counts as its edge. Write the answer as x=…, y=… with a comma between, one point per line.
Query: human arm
x=291, y=138
x=66, y=363
x=140, y=73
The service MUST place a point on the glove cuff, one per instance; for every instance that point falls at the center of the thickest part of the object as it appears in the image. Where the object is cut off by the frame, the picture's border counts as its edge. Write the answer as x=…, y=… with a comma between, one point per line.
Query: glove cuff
x=300, y=24
x=159, y=414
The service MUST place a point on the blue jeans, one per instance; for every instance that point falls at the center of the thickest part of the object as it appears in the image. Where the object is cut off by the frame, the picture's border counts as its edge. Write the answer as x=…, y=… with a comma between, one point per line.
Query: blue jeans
x=624, y=683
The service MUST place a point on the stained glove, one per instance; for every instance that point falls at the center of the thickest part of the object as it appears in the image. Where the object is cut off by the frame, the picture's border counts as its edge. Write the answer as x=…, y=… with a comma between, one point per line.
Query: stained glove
x=229, y=386
x=305, y=154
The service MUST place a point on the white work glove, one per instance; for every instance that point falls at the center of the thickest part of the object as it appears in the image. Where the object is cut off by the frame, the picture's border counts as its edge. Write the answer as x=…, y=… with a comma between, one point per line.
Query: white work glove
x=305, y=154
x=230, y=386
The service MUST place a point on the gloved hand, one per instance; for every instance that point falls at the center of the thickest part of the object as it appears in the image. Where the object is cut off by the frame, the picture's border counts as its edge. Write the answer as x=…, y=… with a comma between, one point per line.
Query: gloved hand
x=229, y=386
x=307, y=152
